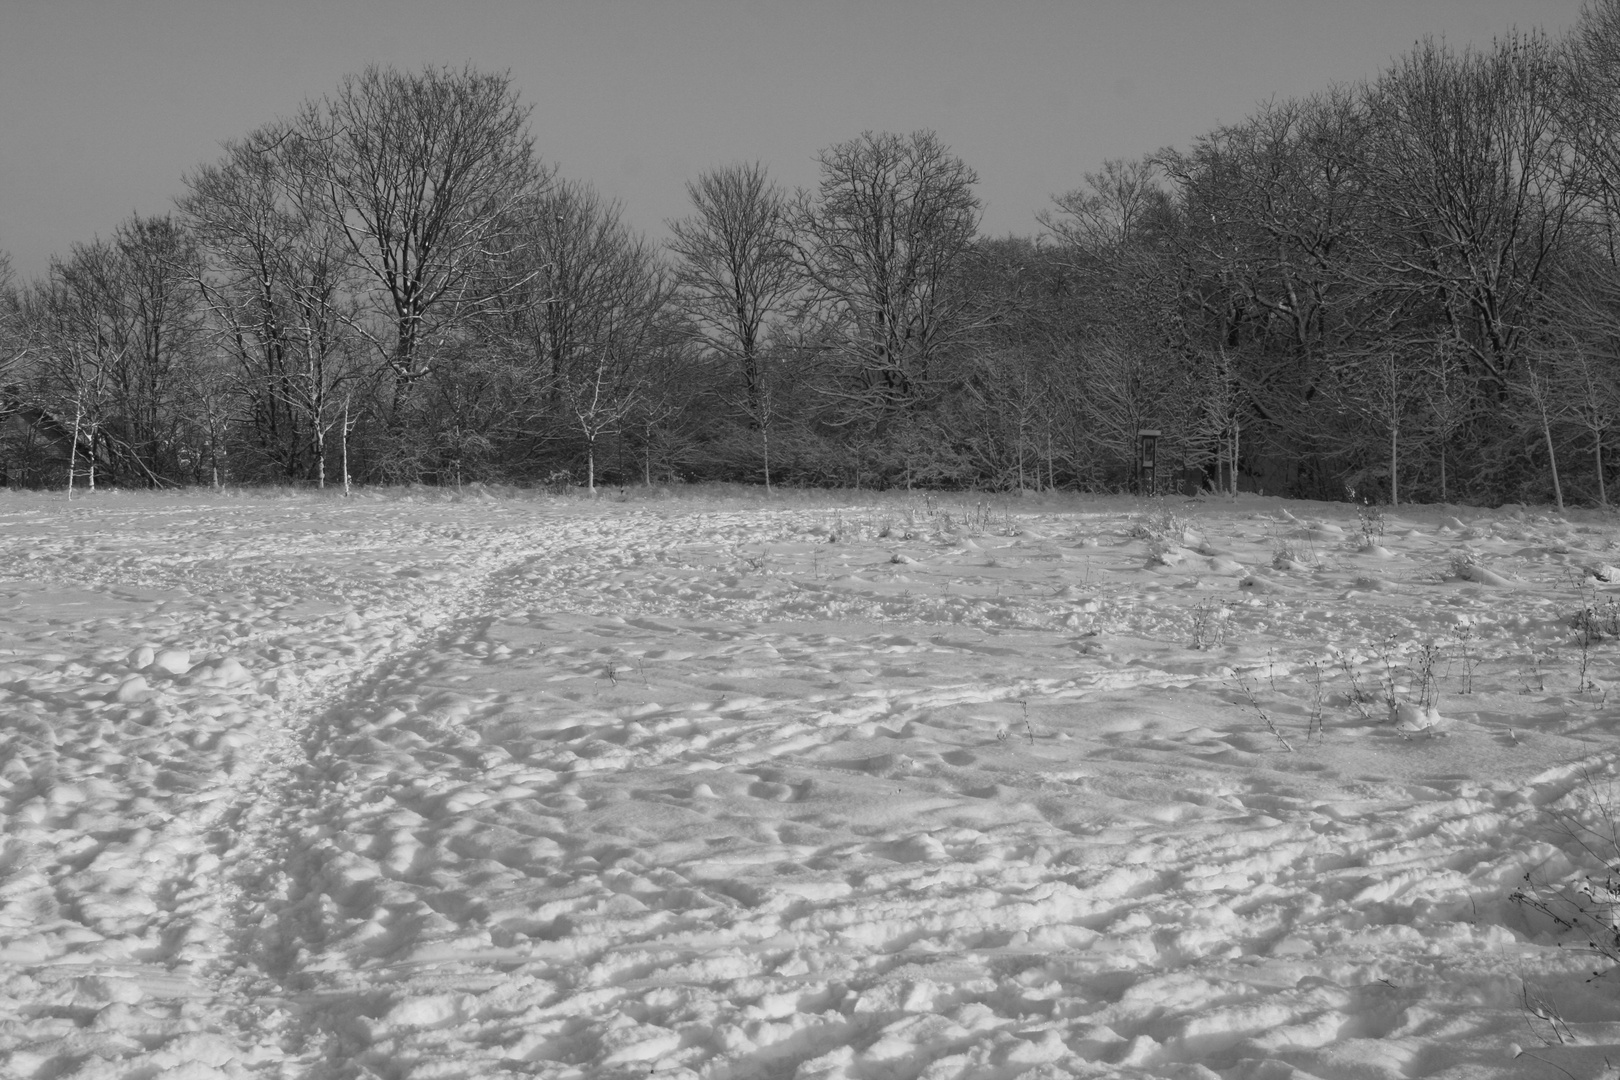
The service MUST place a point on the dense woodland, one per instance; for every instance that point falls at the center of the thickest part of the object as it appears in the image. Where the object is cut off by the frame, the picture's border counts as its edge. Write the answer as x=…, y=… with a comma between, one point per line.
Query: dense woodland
x=1407, y=289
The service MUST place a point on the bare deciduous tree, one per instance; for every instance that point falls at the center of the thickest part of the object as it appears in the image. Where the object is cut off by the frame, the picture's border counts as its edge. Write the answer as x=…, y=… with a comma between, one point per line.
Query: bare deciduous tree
x=880, y=243
x=734, y=266
x=279, y=292
x=1470, y=165
x=425, y=173
x=594, y=310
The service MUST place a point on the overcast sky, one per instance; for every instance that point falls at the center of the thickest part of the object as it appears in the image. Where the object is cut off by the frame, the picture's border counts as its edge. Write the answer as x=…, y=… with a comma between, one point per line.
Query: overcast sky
x=104, y=106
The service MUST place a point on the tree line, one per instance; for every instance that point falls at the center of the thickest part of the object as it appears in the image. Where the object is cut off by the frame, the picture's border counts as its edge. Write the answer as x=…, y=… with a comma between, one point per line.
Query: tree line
x=1402, y=289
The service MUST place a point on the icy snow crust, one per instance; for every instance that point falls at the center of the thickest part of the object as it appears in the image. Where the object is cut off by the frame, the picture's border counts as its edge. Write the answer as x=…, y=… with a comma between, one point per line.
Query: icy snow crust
x=414, y=787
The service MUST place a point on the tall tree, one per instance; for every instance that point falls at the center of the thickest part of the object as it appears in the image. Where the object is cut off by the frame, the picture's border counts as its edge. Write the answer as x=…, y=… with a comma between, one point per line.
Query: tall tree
x=881, y=242
x=425, y=173
x=1470, y=167
x=734, y=269
x=592, y=308
x=280, y=294
x=127, y=309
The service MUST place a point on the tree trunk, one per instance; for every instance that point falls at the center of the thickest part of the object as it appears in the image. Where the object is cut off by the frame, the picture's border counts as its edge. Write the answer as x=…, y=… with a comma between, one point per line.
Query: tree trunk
x=1597, y=455
x=765, y=439
x=73, y=451
x=345, y=440
x=320, y=455
x=1552, y=460
x=1232, y=458
x=1394, y=463
x=1020, y=455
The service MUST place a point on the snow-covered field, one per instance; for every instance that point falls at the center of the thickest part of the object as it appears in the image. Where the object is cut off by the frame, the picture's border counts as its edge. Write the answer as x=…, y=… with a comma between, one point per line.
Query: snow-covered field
x=835, y=786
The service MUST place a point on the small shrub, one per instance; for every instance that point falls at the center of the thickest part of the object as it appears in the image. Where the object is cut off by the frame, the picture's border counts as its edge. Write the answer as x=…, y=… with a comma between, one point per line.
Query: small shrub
x=1210, y=621
x=1159, y=523
x=1465, y=637
x=1597, y=620
x=1371, y=520
x=1422, y=669
x=1358, y=697
x=978, y=520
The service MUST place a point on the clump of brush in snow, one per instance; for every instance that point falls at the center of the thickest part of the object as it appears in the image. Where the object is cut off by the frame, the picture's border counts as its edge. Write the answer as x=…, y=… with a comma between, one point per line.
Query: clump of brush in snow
x=1469, y=655
x=1370, y=518
x=1596, y=620
x=1412, y=685
x=1288, y=555
x=1585, y=824
x=1159, y=523
x=1211, y=620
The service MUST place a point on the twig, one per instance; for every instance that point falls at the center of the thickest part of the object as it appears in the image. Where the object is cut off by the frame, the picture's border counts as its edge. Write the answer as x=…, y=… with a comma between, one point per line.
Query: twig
x=1265, y=718
x=1357, y=696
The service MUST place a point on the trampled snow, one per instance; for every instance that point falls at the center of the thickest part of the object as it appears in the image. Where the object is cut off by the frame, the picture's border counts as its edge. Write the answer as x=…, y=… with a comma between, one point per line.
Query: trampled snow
x=835, y=786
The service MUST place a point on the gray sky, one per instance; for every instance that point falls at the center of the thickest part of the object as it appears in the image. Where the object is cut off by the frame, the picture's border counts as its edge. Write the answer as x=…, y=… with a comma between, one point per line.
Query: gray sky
x=103, y=106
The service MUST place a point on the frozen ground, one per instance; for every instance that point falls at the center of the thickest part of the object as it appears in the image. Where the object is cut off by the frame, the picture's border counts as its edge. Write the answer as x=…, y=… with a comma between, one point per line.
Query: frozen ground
x=420, y=787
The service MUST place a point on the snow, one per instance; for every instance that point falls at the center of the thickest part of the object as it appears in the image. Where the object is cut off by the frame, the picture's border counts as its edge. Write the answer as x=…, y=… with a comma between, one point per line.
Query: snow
x=827, y=786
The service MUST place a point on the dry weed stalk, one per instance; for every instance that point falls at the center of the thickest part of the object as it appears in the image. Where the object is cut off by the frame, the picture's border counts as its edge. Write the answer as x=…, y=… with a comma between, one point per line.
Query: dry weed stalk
x=1464, y=637
x=1590, y=906
x=1386, y=654
x=1314, y=723
x=1358, y=696
x=1428, y=655
x=1265, y=717
x=1210, y=620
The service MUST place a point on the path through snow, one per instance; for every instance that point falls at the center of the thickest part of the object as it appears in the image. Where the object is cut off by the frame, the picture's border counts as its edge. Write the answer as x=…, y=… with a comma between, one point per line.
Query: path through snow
x=412, y=787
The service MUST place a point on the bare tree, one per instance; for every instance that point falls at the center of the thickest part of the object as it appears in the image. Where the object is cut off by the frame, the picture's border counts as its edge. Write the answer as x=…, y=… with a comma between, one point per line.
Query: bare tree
x=1110, y=212
x=69, y=370
x=1536, y=383
x=880, y=243
x=1593, y=401
x=11, y=350
x=734, y=266
x=1269, y=212
x=1589, y=114
x=1451, y=405
x=424, y=173
x=593, y=310
x=122, y=316
x=279, y=291
x=1470, y=166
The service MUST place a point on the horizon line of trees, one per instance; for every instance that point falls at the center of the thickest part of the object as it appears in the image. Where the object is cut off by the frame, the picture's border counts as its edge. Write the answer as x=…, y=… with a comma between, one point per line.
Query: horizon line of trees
x=1403, y=289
